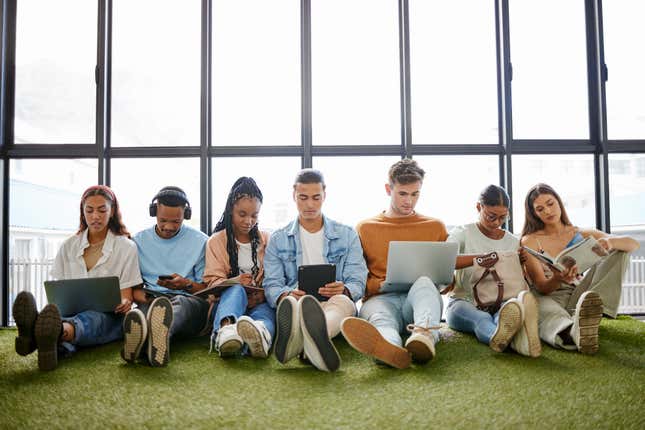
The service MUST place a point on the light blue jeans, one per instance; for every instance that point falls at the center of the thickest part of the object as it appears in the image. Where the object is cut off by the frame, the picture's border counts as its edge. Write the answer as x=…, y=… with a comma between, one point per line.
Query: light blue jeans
x=93, y=328
x=233, y=303
x=464, y=316
x=390, y=313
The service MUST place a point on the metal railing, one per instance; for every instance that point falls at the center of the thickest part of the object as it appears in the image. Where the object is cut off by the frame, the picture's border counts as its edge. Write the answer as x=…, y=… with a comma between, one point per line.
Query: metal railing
x=29, y=275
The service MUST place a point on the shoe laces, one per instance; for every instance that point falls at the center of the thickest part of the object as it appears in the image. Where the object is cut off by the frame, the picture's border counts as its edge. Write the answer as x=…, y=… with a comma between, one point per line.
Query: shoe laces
x=423, y=329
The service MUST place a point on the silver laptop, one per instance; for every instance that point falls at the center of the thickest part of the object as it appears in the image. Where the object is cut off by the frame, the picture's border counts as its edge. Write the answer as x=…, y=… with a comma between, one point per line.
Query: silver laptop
x=73, y=296
x=407, y=261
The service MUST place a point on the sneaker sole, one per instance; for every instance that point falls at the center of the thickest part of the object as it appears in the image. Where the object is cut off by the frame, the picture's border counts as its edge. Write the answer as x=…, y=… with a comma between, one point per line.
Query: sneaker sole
x=531, y=324
x=421, y=353
x=365, y=338
x=135, y=330
x=510, y=319
x=230, y=348
x=285, y=330
x=590, y=314
x=24, y=314
x=252, y=337
x=47, y=331
x=314, y=328
x=159, y=321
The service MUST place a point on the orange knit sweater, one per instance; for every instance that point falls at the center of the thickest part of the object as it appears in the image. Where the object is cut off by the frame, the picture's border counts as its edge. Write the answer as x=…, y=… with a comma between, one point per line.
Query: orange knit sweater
x=377, y=232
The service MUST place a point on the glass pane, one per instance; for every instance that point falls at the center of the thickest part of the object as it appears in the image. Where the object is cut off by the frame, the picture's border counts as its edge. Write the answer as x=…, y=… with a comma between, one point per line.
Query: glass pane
x=571, y=176
x=156, y=73
x=274, y=176
x=355, y=72
x=55, y=60
x=448, y=41
x=346, y=202
x=256, y=72
x=627, y=191
x=623, y=36
x=452, y=186
x=548, y=52
x=150, y=175
x=44, y=198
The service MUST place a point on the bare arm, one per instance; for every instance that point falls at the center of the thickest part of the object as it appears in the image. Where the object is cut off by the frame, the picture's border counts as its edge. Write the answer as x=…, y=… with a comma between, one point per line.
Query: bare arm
x=610, y=242
x=535, y=271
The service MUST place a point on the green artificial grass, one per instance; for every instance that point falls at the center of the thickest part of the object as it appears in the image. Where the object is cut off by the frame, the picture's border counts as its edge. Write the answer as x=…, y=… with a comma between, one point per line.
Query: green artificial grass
x=466, y=386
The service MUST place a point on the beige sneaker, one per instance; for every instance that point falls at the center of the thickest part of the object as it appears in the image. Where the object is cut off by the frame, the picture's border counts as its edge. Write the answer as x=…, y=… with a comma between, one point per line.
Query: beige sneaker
x=135, y=333
x=586, y=321
x=365, y=338
x=527, y=339
x=159, y=320
x=510, y=321
x=420, y=344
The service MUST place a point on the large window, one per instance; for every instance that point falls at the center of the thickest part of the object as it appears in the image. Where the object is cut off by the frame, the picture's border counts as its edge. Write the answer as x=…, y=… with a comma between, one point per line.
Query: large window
x=44, y=197
x=55, y=58
x=355, y=72
x=453, y=72
x=256, y=72
x=627, y=191
x=549, y=69
x=623, y=24
x=150, y=175
x=156, y=73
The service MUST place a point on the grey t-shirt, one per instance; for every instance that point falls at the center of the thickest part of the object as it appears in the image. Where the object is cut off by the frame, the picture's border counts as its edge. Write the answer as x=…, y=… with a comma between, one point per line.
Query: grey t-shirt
x=472, y=241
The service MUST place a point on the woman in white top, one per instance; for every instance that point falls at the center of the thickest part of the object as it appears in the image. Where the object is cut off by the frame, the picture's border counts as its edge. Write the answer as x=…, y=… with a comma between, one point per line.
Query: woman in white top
x=235, y=253
x=515, y=322
x=101, y=247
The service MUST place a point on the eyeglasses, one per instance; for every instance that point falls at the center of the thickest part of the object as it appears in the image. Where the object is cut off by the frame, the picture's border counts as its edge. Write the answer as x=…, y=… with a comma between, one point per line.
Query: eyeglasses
x=491, y=217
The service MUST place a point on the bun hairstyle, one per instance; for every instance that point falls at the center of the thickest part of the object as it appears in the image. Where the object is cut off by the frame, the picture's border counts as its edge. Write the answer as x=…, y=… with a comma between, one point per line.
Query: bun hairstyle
x=115, y=224
x=494, y=195
x=243, y=187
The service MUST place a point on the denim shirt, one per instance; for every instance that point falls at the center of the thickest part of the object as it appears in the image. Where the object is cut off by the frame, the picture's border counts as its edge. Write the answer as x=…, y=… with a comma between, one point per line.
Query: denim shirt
x=341, y=247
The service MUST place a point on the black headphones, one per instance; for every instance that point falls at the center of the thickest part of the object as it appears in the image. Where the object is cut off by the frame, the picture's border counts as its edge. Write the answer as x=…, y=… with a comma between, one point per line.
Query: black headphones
x=175, y=192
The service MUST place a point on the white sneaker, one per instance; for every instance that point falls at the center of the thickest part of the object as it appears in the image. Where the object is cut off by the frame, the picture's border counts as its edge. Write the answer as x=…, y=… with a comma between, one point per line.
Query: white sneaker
x=509, y=322
x=288, y=338
x=319, y=349
x=255, y=335
x=228, y=343
x=420, y=344
x=586, y=321
x=527, y=339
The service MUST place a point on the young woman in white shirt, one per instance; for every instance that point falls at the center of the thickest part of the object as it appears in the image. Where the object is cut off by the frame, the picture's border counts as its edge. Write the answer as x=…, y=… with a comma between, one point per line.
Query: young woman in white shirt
x=515, y=322
x=101, y=247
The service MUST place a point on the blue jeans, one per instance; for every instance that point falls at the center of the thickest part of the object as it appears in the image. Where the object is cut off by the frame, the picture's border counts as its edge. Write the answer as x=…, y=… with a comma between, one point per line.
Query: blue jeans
x=233, y=303
x=390, y=313
x=188, y=315
x=94, y=328
x=464, y=316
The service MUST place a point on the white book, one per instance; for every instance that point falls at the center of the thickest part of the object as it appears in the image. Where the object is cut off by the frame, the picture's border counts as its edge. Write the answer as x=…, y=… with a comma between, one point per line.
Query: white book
x=583, y=254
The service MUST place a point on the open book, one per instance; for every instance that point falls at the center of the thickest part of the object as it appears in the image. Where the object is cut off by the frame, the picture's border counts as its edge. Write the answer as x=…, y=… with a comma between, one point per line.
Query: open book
x=218, y=289
x=584, y=254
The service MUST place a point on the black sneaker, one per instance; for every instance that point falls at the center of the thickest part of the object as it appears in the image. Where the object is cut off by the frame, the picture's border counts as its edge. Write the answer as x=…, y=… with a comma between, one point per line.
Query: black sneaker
x=318, y=346
x=159, y=321
x=135, y=332
x=288, y=338
x=47, y=332
x=24, y=314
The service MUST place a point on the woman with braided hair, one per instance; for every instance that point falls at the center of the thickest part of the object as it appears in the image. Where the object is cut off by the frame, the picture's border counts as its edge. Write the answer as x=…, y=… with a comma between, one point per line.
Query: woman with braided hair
x=235, y=254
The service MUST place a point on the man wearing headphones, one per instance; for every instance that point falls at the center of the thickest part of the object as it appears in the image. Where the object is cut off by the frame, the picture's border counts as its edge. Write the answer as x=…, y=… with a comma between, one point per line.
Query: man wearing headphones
x=171, y=258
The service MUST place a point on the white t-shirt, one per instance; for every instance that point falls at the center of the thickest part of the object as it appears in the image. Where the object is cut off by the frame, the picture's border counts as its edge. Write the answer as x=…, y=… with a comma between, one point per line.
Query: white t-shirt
x=312, y=246
x=472, y=241
x=118, y=258
x=244, y=257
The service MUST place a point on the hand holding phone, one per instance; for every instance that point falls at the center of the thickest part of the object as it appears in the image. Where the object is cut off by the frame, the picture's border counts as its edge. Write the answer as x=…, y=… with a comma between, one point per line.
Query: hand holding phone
x=166, y=277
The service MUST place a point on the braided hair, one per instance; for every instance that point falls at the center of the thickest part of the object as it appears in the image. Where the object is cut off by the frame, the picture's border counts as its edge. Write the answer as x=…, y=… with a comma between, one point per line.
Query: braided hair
x=243, y=187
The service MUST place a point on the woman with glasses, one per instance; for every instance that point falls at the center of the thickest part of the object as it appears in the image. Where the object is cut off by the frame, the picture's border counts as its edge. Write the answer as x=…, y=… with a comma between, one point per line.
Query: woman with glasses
x=515, y=322
x=571, y=305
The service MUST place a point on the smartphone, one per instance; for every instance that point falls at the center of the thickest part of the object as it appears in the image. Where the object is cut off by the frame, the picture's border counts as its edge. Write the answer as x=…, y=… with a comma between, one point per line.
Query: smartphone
x=165, y=277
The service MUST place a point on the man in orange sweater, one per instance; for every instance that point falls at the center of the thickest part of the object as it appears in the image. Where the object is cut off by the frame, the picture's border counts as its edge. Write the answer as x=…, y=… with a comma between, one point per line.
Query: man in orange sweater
x=383, y=316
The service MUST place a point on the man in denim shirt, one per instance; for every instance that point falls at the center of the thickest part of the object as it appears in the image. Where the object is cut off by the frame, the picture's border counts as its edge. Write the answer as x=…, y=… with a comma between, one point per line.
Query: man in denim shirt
x=303, y=322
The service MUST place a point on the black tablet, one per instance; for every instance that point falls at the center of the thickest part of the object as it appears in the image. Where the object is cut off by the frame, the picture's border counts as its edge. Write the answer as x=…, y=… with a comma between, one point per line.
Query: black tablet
x=313, y=276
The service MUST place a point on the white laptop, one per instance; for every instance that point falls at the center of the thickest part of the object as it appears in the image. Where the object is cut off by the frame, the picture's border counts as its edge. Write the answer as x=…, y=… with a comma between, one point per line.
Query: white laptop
x=407, y=261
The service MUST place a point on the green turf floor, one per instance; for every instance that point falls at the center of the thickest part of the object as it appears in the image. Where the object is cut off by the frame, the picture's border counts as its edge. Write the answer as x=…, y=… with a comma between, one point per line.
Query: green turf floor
x=466, y=386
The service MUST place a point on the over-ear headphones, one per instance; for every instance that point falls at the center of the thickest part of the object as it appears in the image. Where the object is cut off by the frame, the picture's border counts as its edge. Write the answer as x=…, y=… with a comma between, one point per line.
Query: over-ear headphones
x=174, y=193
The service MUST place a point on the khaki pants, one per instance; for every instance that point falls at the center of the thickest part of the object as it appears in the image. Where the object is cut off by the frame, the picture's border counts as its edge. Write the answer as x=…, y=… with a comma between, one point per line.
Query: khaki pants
x=336, y=309
x=557, y=308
